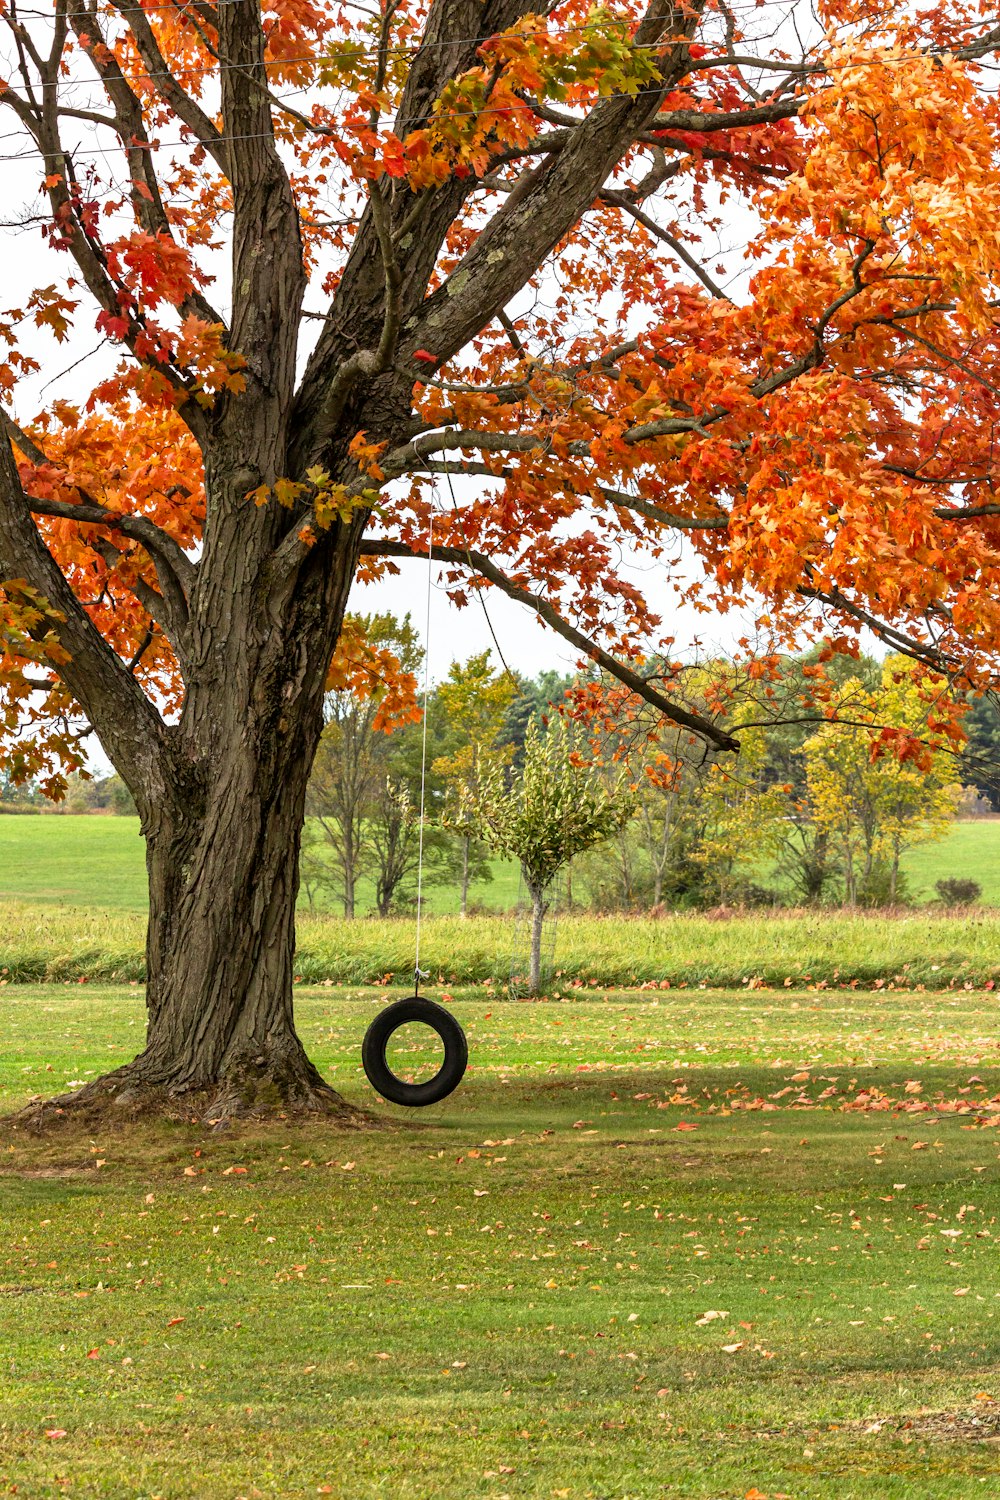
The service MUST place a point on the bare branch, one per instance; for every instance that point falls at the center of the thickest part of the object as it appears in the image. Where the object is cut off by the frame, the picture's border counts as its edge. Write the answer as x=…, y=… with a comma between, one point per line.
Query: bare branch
x=621, y=200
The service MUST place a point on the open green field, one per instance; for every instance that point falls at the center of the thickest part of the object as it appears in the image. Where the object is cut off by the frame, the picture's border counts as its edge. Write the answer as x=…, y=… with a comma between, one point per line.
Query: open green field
x=970, y=851
x=71, y=860
x=81, y=860
x=700, y=1245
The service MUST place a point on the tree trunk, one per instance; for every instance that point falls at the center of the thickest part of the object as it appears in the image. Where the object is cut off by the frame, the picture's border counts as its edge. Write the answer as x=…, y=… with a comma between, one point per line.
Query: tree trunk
x=349, y=886
x=894, y=872
x=464, y=904
x=221, y=1037
x=539, y=906
x=222, y=854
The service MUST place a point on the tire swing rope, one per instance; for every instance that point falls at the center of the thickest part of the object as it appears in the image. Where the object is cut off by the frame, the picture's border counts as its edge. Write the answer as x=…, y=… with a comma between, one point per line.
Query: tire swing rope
x=417, y=1007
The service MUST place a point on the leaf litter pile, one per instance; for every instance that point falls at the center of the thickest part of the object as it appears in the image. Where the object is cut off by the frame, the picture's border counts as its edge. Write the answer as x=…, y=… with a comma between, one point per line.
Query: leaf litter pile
x=714, y=1245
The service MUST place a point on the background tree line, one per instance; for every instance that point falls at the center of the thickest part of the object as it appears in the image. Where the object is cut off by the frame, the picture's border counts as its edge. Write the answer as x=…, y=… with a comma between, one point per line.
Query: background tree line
x=805, y=814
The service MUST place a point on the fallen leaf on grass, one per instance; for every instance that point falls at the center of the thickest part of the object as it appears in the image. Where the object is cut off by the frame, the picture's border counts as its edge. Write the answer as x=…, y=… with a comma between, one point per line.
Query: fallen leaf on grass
x=685, y=1126
x=710, y=1316
x=732, y=1348
x=55, y=1432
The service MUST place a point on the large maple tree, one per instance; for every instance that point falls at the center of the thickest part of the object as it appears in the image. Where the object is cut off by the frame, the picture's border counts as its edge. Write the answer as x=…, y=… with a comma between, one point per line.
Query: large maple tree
x=349, y=253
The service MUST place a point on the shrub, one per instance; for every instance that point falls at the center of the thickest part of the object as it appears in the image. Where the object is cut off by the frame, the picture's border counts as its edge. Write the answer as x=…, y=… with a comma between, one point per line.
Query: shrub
x=956, y=892
x=758, y=895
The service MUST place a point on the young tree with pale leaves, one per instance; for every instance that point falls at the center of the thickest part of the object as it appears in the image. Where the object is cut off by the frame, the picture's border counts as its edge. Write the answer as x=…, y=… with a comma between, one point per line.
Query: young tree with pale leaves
x=556, y=807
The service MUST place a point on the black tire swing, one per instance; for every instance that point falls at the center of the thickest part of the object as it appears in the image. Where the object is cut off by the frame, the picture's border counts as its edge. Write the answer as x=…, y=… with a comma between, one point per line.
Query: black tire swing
x=415, y=1007
x=385, y=1081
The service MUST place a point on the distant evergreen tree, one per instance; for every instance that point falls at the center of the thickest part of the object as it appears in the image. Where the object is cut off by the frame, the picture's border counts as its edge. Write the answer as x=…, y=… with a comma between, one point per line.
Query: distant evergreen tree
x=534, y=702
x=980, y=762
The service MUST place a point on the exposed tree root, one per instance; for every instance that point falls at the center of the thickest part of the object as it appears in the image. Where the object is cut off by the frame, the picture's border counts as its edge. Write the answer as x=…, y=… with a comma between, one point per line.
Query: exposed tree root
x=253, y=1089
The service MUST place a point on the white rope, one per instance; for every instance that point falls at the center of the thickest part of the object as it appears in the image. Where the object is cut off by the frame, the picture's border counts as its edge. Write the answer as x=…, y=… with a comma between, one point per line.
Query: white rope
x=419, y=973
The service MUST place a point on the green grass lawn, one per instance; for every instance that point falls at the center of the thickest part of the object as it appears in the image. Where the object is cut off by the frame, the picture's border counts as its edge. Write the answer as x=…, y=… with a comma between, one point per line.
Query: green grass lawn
x=702, y=1244
x=88, y=861
x=969, y=851
x=73, y=861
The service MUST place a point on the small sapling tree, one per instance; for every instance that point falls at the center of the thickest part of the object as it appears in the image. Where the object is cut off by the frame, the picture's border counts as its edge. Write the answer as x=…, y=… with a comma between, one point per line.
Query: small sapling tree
x=557, y=807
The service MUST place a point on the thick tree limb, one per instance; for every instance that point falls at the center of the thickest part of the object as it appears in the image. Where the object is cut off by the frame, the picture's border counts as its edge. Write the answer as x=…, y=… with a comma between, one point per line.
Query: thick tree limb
x=664, y=517
x=130, y=728
x=131, y=127
x=175, y=570
x=966, y=513
x=420, y=223
x=187, y=109
x=695, y=121
x=548, y=200
x=476, y=562
x=268, y=274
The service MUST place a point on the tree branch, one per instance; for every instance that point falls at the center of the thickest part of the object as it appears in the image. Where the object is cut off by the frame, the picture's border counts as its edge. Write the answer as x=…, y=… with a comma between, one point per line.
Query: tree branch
x=939, y=661
x=549, y=199
x=184, y=107
x=175, y=570
x=476, y=562
x=621, y=200
x=131, y=730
